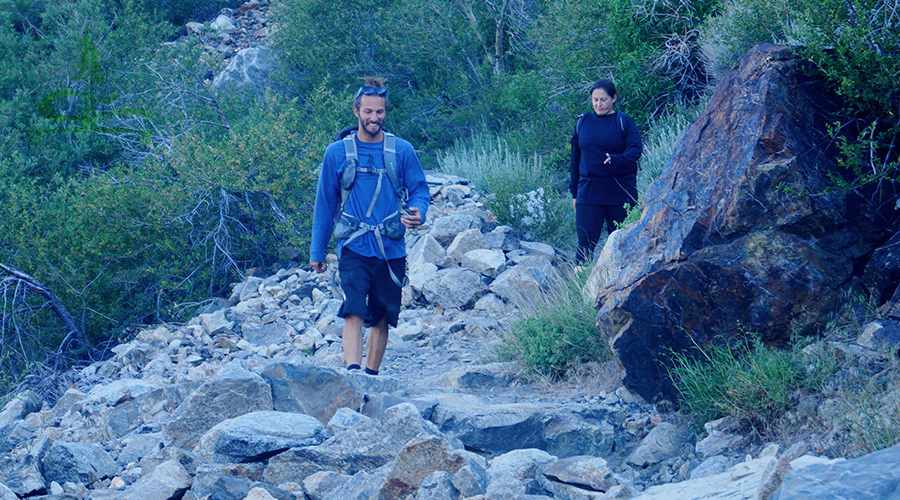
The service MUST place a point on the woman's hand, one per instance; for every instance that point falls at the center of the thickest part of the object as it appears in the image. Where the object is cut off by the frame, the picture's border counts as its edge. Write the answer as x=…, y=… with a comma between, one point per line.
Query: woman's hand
x=608, y=160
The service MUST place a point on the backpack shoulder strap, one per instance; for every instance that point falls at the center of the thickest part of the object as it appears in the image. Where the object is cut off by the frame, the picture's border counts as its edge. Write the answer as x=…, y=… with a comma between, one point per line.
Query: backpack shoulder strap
x=349, y=175
x=578, y=123
x=390, y=165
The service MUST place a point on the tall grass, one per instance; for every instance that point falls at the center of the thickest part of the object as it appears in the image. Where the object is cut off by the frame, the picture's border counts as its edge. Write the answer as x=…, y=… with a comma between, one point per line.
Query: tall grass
x=751, y=382
x=869, y=411
x=659, y=142
x=558, y=336
x=518, y=188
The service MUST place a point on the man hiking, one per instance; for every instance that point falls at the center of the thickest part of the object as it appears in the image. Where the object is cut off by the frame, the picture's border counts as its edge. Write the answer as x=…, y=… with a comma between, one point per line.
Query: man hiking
x=371, y=189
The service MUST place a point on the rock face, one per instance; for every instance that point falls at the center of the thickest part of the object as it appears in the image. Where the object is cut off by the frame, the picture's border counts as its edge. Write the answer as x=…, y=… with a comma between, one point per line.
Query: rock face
x=739, y=233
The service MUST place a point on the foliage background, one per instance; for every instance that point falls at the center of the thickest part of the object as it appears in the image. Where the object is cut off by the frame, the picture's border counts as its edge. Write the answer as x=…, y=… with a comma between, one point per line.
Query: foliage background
x=129, y=187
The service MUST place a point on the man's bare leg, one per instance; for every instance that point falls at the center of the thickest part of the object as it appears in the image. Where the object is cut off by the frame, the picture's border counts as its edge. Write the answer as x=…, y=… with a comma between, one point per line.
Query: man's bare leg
x=376, y=344
x=351, y=340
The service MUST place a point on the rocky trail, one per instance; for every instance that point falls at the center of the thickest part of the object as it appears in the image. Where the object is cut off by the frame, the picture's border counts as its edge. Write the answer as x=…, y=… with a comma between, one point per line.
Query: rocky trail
x=249, y=400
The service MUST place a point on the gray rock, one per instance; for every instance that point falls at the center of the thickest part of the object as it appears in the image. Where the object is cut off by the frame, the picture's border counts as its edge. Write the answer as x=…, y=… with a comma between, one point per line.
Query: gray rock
x=345, y=418
x=7, y=494
x=168, y=480
x=502, y=238
x=366, y=446
x=77, y=463
x=718, y=442
x=445, y=229
x=466, y=241
x=514, y=474
x=215, y=323
x=538, y=248
x=361, y=486
x=712, y=466
x=420, y=457
x=268, y=334
x=875, y=476
x=232, y=392
x=22, y=476
x=259, y=434
x=472, y=478
x=19, y=406
x=320, y=484
x=576, y=432
x=437, y=486
x=249, y=69
x=490, y=303
x=454, y=288
x=224, y=482
x=188, y=460
x=471, y=377
x=427, y=250
x=117, y=392
x=224, y=24
x=517, y=286
x=138, y=446
x=664, y=441
x=490, y=263
x=584, y=472
x=493, y=428
x=312, y=390
x=128, y=416
x=742, y=481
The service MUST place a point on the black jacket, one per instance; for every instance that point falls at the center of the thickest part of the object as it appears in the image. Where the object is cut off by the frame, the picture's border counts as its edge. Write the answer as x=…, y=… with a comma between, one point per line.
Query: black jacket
x=594, y=182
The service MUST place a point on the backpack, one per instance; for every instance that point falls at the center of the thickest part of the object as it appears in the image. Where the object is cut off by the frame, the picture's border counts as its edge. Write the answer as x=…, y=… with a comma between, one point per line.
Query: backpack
x=349, y=227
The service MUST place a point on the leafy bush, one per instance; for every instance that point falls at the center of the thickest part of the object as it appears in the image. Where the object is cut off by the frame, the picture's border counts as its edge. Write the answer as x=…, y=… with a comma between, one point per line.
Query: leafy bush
x=751, y=382
x=521, y=192
x=558, y=337
x=726, y=37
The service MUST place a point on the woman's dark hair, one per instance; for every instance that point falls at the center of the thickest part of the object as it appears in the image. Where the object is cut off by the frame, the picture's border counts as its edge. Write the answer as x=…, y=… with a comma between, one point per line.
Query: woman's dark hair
x=607, y=86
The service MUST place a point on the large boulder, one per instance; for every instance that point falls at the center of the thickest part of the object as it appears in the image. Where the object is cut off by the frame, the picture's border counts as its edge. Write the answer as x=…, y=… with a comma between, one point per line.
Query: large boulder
x=250, y=69
x=740, y=233
x=231, y=393
x=312, y=390
x=876, y=475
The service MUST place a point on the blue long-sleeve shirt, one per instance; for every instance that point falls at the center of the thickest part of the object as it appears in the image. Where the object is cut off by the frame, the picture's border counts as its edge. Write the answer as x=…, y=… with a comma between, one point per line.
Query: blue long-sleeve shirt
x=328, y=197
x=595, y=182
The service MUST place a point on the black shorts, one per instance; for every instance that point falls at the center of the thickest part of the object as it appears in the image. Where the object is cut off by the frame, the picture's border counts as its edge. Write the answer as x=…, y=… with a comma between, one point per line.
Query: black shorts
x=369, y=291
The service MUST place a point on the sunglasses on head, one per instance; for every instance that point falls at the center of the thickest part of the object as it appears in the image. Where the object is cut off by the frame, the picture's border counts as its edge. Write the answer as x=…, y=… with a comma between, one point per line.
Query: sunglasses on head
x=368, y=90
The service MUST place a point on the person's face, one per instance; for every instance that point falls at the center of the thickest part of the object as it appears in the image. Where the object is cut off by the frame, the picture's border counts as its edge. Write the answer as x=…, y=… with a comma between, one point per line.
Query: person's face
x=371, y=112
x=602, y=102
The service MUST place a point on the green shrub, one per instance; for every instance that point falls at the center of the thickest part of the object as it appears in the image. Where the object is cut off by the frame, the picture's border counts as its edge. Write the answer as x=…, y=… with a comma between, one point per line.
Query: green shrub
x=659, y=142
x=751, y=382
x=742, y=24
x=558, y=337
x=520, y=191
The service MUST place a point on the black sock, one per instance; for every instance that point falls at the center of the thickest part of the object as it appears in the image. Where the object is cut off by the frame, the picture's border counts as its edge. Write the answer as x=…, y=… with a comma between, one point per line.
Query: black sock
x=370, y=371
x=354, y=367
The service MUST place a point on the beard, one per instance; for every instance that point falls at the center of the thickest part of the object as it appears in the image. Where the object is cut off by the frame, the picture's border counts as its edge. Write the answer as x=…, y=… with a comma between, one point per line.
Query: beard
x=366, y=127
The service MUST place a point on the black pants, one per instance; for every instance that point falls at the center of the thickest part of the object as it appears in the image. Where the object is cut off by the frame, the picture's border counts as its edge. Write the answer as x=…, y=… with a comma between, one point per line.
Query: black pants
x=589, y=220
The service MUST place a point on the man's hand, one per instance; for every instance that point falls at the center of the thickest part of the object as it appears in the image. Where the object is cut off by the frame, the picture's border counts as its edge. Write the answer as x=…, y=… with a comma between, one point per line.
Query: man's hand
x=412, y=219
x=319, y=267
